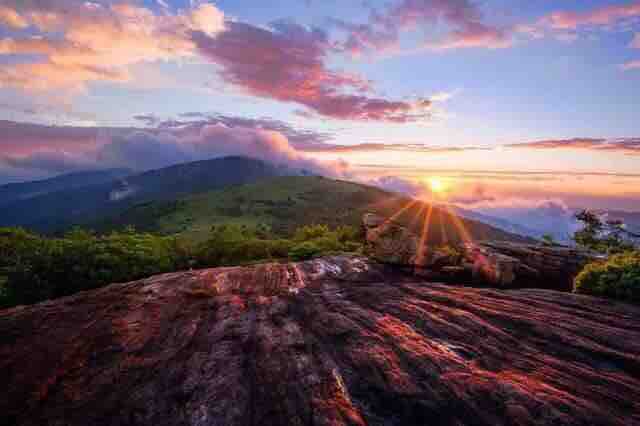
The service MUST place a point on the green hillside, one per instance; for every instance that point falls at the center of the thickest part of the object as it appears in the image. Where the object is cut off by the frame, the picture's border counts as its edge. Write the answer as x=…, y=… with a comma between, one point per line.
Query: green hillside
x=61, y=203
x=286, y=203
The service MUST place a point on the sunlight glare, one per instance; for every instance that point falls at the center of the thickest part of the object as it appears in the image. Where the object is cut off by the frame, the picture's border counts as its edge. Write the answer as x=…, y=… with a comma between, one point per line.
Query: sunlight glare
x=437, y=185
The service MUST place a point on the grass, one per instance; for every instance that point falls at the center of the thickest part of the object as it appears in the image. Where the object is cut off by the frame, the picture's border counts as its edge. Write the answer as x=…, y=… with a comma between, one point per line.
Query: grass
x=286, y=203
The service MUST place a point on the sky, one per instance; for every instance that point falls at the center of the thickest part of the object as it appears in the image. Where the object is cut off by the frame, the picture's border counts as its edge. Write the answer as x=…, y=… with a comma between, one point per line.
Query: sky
x=498, y=102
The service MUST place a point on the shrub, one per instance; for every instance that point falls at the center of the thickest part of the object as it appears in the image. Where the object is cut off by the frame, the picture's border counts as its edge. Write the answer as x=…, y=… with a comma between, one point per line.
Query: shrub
x=305, y=250
x=311, y=232
x=618, y=277
x=33, y=268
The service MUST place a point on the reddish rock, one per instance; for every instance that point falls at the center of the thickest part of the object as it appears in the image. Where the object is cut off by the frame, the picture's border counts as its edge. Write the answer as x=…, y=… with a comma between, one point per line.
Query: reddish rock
x=328, y=342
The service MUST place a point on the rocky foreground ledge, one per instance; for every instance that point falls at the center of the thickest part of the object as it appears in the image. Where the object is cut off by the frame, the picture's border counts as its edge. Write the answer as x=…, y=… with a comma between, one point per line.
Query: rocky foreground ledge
x=334, y=341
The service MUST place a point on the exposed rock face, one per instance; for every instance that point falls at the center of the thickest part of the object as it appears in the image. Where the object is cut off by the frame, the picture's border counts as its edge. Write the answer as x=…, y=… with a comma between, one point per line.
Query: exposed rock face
x=497, y=263
x=505, y=264
x=333, y=341
x=389, y=242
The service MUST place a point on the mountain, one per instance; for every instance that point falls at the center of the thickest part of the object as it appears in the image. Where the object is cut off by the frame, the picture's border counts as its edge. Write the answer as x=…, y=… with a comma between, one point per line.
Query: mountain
x=188, y=198
x=630, y=219
x=332, y=341
x=15, y=192
x=497, y=222
x=58, y=210
x=285, y=203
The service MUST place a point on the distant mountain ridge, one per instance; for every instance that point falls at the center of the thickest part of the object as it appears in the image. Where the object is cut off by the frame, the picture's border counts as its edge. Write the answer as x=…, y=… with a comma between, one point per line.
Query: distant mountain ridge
x=56, y=210
x=12, y=192
x=286, y=203
x=189, y=198
x=497, y=222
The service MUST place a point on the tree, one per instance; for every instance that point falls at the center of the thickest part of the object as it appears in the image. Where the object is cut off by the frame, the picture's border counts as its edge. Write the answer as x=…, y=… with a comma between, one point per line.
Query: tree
x=603, y=236
x=548, y=240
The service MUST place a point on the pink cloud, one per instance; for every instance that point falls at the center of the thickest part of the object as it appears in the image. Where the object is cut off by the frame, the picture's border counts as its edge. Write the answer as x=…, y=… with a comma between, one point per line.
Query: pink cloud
x=461, y=17
x=79, y=42
x=11, y=18
x=632, y=65
x=32, y=148
x=476, y=35
x=629, y=146
x=380, y=147
x=600, y=16
x=287, y=63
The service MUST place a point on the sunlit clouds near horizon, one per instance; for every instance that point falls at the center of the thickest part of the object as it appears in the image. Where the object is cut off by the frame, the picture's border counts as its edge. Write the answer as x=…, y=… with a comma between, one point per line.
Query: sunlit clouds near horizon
x=478, y=104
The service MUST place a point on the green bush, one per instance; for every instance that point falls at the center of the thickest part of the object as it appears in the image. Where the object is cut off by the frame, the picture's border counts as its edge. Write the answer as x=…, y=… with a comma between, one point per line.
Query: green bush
x=311, y=232
x=618, y=278
x=37, y=268
x=305, y=250
x=34, y=268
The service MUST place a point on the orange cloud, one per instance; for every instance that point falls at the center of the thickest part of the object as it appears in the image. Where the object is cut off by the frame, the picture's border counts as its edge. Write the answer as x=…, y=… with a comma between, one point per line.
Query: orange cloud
x=600, y=16
x=11, y=18
x=80, y=42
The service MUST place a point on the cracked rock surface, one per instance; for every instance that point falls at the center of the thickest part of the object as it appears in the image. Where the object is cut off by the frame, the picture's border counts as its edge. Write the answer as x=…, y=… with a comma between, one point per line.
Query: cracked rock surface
x=333, y=341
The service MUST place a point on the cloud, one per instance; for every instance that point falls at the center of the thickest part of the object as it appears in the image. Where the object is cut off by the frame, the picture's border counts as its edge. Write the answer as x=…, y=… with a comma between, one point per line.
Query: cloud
x=376, y=147
x=30, y=149
x=78, y=42
x=399, y=184
x=635, y=43
x=72, y=43
x=11, y=18
x=461, y=18
x=143, y=150
x=477, y=196
x=629, y=146
x=605, y=15
x=285, y=62
x=631, y=65
x=26, y=138
x=545, y=216
x=475, y=35
x=568, y=25
x=147, y=119
x=50, y=162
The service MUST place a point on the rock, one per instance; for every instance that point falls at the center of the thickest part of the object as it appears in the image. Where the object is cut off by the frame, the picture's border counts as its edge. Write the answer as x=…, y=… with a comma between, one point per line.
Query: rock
x=390, y=243
x=370, y=220
x=333, y=341
x=507, y=264
x=495, y=263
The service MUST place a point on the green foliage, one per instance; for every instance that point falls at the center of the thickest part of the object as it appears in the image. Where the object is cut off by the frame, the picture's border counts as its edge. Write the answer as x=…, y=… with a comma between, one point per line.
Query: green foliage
x=284, y=204
x=548, y=240
x=311, y=232
x=313, y=240
x=33, y=268
x=604, y=237
x=618, y=277
x=304, y=250
x=39, y=268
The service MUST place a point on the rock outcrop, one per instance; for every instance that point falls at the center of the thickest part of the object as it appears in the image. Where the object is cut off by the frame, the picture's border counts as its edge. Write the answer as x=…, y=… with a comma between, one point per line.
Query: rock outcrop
x=505, y=264
x=334, y=341
x=501, y=264
x=389, y=242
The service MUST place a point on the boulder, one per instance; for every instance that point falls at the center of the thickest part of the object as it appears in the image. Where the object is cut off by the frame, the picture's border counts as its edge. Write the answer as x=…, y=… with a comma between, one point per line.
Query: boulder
x=389, y=242
x=333, y=341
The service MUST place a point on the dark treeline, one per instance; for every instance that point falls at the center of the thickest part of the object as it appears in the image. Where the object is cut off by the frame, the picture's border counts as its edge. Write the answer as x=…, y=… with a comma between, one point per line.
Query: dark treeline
x=34, y=268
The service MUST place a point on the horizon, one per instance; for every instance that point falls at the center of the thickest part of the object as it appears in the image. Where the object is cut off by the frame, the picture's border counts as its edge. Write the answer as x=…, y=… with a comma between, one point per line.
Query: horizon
x=504, y=105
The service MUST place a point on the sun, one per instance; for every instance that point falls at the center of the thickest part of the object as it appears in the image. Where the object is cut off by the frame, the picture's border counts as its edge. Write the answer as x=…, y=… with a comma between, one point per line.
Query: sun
x=437, y=185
